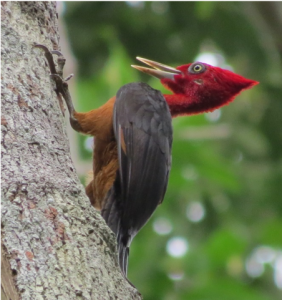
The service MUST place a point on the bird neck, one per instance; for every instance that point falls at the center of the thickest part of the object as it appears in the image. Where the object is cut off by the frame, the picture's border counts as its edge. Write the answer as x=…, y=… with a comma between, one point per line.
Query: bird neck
x=182, y=105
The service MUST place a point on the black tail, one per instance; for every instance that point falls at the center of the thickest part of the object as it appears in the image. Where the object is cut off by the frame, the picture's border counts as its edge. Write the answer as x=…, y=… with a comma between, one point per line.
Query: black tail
x=111, y=213
x=123, y=253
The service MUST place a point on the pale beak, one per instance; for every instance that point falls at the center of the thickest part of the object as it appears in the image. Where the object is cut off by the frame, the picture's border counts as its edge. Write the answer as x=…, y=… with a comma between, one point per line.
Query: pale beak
x=160, y=70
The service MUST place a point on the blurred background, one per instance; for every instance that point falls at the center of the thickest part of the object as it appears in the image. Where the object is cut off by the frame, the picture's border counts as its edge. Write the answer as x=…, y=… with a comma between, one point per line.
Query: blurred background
x=218, y=233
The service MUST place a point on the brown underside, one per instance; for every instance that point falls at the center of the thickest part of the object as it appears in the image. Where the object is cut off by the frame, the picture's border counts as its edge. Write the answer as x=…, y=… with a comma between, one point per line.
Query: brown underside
x=99, y=123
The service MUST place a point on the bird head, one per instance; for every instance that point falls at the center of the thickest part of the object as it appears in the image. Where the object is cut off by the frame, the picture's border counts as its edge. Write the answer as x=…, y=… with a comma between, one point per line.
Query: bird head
x=196, y=87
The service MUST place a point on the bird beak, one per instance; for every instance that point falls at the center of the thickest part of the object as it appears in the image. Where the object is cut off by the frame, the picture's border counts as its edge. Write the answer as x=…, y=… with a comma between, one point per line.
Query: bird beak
x=160, y=71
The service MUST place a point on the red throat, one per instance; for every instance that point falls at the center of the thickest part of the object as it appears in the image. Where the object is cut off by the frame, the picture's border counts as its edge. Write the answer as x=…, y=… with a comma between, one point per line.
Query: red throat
x=218, y=88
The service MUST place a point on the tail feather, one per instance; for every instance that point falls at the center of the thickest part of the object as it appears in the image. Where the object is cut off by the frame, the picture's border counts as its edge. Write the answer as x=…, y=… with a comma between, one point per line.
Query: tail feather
x=111, y=214
x=123, y=257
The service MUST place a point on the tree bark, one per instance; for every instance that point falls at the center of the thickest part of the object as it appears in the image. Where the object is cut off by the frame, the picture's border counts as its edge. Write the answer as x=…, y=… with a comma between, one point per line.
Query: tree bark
x=54, y=244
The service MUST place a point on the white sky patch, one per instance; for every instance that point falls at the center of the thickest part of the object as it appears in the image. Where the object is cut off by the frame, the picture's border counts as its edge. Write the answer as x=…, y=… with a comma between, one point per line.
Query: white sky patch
x=208, y=58
x=214, y=59
x=254, y=268
x=162, y=226
x=88, y=144
x=195, y=211
x=177, y=246
x=278, y=271
x=213, y=116
x=135, y=4
x=264, y=254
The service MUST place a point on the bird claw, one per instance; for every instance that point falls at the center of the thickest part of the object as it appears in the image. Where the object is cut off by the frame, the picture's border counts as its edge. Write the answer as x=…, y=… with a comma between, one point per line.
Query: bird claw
x=48, y=56
x=59, y=81
x=61, y=84
x=60, y=61
x=62, y=89
x=56, y=52
x=69, y=77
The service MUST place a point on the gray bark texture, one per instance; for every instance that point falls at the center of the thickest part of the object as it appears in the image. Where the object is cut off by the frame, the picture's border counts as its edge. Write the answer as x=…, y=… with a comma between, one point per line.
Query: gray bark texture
x=54, y=244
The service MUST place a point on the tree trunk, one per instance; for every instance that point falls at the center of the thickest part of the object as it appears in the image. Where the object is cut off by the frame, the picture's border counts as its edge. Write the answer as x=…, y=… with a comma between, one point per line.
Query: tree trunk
x=54, y=244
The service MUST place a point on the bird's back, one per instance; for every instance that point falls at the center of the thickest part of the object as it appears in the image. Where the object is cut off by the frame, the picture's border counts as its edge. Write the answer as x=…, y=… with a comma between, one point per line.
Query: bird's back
x=143, y=131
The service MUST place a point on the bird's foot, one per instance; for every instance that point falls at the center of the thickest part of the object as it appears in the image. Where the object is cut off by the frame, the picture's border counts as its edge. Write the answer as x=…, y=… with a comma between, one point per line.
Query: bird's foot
x=62, y=89
x=54, y=72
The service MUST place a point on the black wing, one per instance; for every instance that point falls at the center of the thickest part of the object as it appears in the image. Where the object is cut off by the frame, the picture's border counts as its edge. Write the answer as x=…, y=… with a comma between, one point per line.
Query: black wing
x=143, y=131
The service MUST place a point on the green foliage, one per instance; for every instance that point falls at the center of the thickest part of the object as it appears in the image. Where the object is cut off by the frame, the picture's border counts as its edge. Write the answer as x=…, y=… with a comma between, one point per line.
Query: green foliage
x=230, y=166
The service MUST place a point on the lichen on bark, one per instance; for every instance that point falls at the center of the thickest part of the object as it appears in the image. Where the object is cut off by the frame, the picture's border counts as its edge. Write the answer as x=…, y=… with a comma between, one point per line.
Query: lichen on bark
x=57, y=245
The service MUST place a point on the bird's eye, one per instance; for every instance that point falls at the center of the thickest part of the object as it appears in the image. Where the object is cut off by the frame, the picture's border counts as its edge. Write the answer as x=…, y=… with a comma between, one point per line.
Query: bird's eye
x=196, y=68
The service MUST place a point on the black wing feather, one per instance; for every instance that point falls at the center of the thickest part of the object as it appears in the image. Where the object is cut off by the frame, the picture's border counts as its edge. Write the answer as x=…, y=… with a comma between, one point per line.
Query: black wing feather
x=143, y=130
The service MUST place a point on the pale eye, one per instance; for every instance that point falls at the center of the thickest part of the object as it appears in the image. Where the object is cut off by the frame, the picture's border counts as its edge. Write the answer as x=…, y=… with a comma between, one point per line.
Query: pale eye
x=196, y=68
